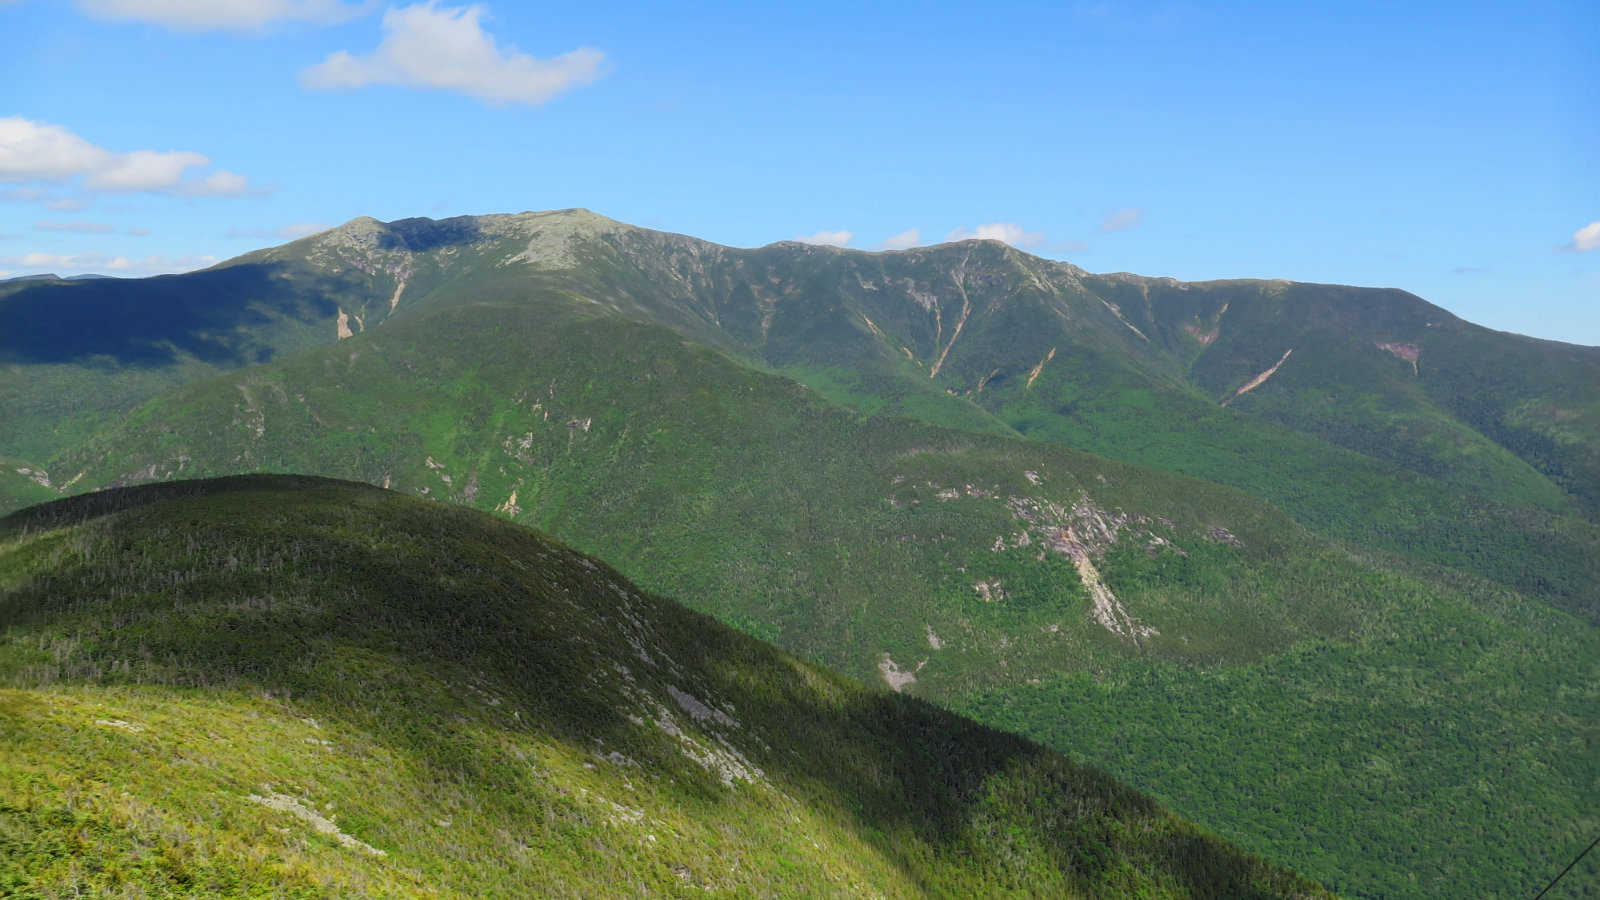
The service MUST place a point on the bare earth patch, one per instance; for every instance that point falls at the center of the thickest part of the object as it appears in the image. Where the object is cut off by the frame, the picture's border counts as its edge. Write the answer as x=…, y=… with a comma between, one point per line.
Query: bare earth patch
x=285, y=803
x=1408, y=352
x=1257, y=381
x=896, y=678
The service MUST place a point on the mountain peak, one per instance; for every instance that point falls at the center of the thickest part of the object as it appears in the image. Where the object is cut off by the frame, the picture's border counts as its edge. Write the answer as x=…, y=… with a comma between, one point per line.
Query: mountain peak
x=548, y=233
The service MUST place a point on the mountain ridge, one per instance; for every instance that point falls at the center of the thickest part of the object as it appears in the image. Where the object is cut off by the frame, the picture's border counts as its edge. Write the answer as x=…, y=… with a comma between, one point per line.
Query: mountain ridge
x=838, y=451
x=431, y=701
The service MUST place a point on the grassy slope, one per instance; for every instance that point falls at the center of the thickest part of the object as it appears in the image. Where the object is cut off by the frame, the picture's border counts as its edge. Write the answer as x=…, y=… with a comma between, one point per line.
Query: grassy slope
x=761, y=503
x=280, y=686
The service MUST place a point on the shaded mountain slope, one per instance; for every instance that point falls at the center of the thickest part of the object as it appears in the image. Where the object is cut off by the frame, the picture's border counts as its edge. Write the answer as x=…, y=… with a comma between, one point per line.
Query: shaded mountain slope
x=332, y=690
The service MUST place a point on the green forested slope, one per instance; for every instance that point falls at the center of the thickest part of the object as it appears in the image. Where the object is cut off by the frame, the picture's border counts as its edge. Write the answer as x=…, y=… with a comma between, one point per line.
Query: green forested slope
x=1385, y=420
x=943, y=560
x=290, y=687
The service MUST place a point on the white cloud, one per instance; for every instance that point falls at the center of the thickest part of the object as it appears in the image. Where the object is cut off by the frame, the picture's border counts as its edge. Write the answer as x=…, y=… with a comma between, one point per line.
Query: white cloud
x=830, y=238
x=905, y=240
x=36, y=151
x=221, y=15
x=447, y=49
x=1009, y=232
x=142, y=170
x=220, y=183
x=286, y=233
x=138, y=232
x=75, y=227
x=1585, y=239
x=33, y=151
x=1122, y=218
x=160, y=264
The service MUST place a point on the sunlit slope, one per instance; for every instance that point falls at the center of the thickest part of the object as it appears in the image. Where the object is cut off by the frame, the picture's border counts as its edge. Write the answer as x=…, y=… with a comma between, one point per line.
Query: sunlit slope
x=295, y=687
x=1005, y=577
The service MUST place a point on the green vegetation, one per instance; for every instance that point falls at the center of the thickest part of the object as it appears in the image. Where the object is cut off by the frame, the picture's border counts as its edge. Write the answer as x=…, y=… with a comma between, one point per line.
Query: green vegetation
x=876, y=461
x=1341, y=774
x=281, y=686
x=23, y=484
x=759, y=502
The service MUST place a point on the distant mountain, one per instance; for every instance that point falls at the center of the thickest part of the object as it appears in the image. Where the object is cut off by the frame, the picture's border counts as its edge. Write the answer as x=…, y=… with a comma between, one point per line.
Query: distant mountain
x=54, y=277
x=333, y=690
x=1332, y=579
x=1482, y=452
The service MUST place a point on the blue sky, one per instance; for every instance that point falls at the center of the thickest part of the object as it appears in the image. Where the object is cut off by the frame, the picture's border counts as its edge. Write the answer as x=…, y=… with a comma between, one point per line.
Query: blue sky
x=1450, y=149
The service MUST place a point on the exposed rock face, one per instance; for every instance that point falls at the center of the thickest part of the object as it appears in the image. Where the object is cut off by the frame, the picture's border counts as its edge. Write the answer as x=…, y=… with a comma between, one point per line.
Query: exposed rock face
x=1082, y=534
x=1259, y=380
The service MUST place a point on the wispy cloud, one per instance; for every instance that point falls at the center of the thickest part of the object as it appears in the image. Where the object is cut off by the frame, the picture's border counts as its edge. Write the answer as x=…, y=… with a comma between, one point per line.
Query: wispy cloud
x=39, y=152
x=1122, y=218
x=905, y=240
x=1009, y=232
x=447, y=49
x=828, y=238
x=286, y=233
x=1468, y=270
x=222, y=15
x=45, y=198
x=75, y=227
x=92, y=261
x=1584, y=239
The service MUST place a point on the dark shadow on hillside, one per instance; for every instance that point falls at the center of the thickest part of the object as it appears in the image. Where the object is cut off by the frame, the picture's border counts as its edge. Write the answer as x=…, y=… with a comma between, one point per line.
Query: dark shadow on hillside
x=214, y=316
x=420, y=235
x=83, y=507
